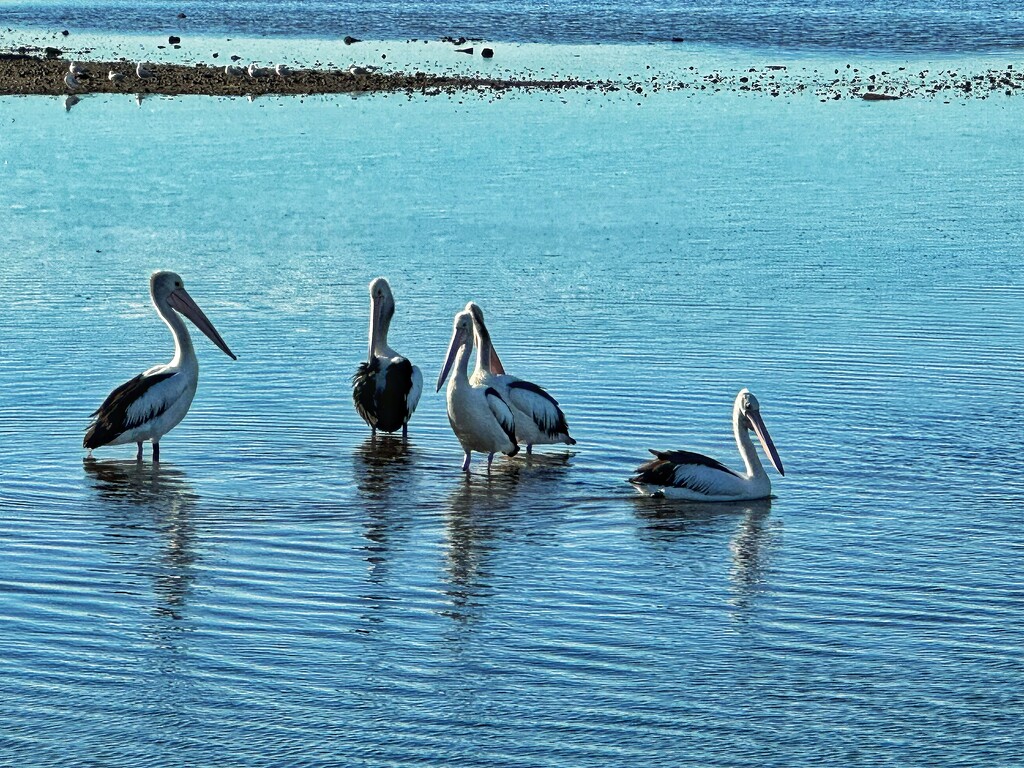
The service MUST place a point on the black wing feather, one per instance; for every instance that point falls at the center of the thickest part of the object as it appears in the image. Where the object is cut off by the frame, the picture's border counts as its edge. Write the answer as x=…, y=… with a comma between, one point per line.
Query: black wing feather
x=551, y=428
x=510, y=429
x=111, y=418
x=364, y=391
x=392, y=404
x=661, y=470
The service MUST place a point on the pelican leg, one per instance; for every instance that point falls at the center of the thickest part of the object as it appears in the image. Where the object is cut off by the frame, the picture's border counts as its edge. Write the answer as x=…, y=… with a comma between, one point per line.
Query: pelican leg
x=156, y=451
x=138, y=454
x=373, y=432
x=490, y=458
x=465, y=464
x=405, y=432
x=529, y=449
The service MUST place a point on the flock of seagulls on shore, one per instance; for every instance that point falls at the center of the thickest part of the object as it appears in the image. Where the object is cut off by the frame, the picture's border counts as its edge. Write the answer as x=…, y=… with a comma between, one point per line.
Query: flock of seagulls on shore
x=489, y=410
x=144, y=72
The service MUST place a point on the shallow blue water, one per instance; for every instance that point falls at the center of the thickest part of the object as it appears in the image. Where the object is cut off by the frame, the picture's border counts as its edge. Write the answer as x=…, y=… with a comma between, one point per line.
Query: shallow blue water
x=846, y=25
x=280, y=592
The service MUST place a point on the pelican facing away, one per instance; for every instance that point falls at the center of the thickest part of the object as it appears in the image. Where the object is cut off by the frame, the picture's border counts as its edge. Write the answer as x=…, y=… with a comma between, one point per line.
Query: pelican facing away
x=151, y=405
x=695, y=477
x=539, y=420
x=387, y=387
x=479, y=415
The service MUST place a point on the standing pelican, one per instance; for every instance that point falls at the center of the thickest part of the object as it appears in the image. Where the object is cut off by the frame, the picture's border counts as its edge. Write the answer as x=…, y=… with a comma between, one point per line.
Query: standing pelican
x=479, y=415
x=151, y=405
x=539, y=420
x=695, y=477
x=387, y=387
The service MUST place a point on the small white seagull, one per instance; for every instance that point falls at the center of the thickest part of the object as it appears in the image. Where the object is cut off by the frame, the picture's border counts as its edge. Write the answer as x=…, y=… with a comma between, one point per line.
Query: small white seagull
x=233, y=71
x=357, y=70
x=71, y=82
x=143, y=71
x=255, y=71
x=282, y=70
x=115, y=77
x=76, y=69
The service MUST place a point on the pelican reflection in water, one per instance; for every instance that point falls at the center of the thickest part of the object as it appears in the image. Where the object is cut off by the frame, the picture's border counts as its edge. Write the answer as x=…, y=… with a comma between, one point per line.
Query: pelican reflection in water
x=159, y=499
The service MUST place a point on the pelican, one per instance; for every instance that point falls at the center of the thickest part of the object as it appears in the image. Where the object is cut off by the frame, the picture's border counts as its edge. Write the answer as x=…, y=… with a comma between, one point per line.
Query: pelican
x=76, y=69
x=144, y=72
x=695, y=477
x=151, y=405
x=479, y=415
x=539, y=420
x=71, y=82
x=115, y=77
x=387, y=387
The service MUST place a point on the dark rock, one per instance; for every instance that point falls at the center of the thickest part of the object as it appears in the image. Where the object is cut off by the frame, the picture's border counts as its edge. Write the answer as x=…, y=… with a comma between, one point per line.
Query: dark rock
x=177, y=47
x=215, y=55
x=173, y=39
x=236, y=58
x=349, y=40
x=870, y=96
x=464, y=50
x=678, y=40
x=52, y=53
x=65, y=33
x=487, y=53
x=182, y=16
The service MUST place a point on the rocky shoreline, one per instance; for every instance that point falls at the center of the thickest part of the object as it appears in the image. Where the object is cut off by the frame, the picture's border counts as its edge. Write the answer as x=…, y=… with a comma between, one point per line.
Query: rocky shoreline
x=45, y=73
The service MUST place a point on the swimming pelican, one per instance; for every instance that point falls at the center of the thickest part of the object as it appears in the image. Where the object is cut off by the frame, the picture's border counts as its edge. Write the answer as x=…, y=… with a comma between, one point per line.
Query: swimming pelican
x=115, y=77
x=539, y=420
x=480, y=417
x=71, y=82
x=144, y=72
x=76, y=69
x=387, y=387
x=695, y=477
x=152, y=404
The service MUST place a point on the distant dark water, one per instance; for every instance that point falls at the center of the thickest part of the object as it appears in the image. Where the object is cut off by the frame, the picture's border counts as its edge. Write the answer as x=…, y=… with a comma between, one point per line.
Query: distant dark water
x=846, y=25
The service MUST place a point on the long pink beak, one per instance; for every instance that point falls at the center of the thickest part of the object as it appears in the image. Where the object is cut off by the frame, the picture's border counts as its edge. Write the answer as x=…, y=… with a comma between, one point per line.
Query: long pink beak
x=458, y=338
x=496, y=367
x=181, y=301
x=754, y=417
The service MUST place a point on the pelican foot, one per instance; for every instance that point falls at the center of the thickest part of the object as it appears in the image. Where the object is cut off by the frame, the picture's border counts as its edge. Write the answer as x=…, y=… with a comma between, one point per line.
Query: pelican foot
x=138, y=454
x=156, y=451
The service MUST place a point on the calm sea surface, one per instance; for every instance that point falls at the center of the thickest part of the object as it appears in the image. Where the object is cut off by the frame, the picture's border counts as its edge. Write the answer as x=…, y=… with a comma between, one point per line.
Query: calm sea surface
x=281, y=591
x=848, y=25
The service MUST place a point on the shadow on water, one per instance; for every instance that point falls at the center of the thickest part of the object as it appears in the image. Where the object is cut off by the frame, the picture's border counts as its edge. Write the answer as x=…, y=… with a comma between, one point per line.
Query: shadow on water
x=144, y=500
x=752, y=537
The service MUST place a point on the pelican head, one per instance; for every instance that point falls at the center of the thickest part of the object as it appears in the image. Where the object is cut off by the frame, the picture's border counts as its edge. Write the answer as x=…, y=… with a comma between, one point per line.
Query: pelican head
x=462, y=335
x=490, y=359
x=168, y=290
x=747, y=415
